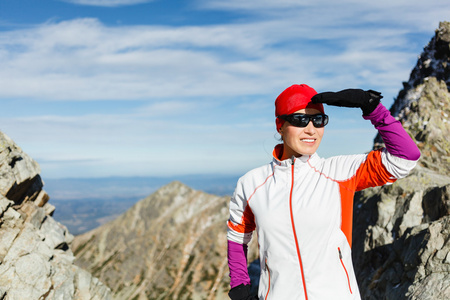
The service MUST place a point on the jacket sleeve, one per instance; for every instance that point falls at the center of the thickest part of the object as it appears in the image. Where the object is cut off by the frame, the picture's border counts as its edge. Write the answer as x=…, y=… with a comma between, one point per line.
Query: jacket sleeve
x=242, y=221
x=401, y=153
x=241, y=225
x=237, y=263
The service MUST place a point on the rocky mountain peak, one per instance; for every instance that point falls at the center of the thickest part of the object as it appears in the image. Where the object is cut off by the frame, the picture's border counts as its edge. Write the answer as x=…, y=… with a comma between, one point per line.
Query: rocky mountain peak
x=433, y=62
x=170, y=245
x=35, y=257
x=423, y=105
x=401, y=246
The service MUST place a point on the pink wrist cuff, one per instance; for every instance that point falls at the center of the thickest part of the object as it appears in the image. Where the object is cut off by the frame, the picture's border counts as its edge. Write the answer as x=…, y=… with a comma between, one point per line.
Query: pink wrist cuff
x=396, y=139
x=237, y=263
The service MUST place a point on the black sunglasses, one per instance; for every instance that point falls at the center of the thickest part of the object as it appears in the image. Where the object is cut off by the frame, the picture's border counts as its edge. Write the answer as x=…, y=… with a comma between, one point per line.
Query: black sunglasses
x=302, y=120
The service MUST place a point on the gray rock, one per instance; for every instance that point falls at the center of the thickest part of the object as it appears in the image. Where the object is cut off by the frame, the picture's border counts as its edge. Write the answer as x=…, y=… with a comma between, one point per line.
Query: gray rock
x=42, y=198
x=4, y=204
x=35, y=259
x=414, y=266
x=54, y=234
x=401, y=247
x=7, y=237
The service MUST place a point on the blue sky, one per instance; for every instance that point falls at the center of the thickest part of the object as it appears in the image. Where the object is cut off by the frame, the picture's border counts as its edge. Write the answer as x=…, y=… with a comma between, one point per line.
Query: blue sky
x=97, y=88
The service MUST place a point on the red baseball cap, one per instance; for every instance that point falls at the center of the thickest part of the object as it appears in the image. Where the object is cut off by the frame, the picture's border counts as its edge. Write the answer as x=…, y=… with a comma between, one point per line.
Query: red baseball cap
x=294, y=98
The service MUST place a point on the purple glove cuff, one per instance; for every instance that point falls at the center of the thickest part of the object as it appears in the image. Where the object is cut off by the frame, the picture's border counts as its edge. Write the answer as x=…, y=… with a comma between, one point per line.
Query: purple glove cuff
x=237, y=263
x=397, y=141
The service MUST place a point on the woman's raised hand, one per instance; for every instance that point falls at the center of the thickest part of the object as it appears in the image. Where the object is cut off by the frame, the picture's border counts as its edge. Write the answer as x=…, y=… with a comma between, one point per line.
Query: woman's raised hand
x=366, y=100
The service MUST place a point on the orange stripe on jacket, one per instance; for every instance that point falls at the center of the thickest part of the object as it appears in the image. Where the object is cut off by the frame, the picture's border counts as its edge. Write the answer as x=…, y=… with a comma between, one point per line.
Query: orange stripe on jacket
x=369, y=174
x=247, y=222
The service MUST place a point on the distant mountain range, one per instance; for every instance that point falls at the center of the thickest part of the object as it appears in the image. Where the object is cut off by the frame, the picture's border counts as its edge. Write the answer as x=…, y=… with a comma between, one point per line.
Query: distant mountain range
x=114, y=195
x=112, y=187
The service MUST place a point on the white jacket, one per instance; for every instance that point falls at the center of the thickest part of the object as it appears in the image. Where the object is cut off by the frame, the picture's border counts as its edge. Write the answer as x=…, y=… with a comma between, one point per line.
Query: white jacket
x=301, y=209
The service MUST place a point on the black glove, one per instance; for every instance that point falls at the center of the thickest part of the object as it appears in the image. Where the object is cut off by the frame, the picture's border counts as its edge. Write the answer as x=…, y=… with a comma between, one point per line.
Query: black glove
x=366, y=100
x=241, y=292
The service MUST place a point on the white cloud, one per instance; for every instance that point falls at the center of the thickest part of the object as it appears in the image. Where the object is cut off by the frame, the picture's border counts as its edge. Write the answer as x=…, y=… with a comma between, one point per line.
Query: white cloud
x=342, y=17
x=82, y=59
x=85, y=60
x=204, y=93
x=108, y=3
x=324, y=6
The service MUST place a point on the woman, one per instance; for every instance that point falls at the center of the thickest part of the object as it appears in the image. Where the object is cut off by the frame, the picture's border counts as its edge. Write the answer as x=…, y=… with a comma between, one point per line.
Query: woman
x=302, y=205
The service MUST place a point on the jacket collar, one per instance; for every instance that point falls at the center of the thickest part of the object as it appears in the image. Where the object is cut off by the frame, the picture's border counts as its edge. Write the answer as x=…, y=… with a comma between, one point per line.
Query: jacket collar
x=301, y=160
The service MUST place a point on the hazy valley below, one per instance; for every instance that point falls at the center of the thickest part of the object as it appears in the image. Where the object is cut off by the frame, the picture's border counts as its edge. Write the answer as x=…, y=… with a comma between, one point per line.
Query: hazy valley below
x=86, y=203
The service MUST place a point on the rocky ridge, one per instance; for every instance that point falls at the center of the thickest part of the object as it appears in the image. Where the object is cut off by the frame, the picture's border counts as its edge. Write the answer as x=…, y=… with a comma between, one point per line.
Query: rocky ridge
x=35, y=258
x=401, y=246
x=422, y=104
x=433, y=62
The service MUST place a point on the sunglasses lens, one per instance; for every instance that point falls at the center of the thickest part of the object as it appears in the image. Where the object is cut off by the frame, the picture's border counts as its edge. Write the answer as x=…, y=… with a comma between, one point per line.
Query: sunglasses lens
x=302, y=120
x=318, y=120
x=324, y=120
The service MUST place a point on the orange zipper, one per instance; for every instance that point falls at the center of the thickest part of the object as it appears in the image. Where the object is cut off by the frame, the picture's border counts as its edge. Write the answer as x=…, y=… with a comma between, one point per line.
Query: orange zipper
x=345, y=269
x=293, y=229
x=268, y=289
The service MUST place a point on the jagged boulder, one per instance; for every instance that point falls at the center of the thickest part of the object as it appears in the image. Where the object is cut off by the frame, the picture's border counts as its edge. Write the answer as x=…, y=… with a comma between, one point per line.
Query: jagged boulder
x=402, y=238
x=35, y=259
x=401, y=247
x=414, y=266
